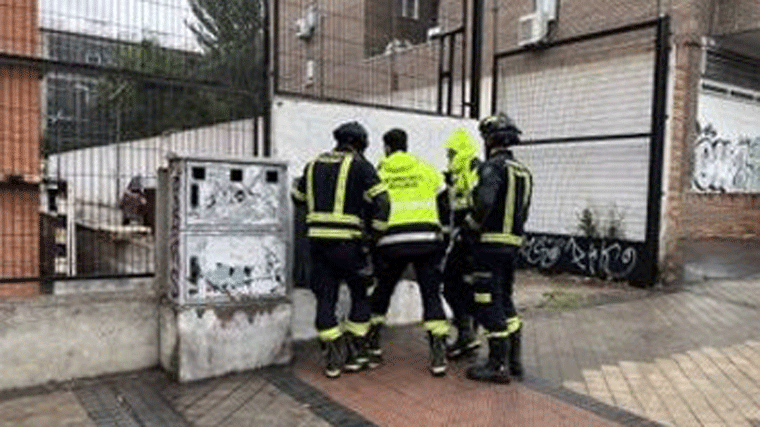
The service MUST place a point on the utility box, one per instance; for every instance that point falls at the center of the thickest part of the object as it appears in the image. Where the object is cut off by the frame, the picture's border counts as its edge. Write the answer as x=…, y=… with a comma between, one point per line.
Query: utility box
x=223, y=257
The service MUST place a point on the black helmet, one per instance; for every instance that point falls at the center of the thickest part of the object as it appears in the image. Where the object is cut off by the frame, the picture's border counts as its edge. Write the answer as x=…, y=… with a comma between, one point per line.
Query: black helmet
x=498, y=124
x=351, y=133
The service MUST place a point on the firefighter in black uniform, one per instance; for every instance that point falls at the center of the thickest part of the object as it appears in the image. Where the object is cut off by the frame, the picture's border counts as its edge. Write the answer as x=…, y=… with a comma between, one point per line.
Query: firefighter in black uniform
x=495, y=227
x=338, y=188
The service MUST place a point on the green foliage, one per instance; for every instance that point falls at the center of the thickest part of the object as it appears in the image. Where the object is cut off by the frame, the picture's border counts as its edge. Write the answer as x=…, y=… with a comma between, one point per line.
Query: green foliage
x=589, y=224
x=171, y=90
x=558, y=300
x=159, y=96
x=231, y=34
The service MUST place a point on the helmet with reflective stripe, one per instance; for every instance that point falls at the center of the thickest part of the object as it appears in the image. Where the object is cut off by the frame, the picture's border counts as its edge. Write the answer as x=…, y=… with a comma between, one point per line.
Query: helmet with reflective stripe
x=499, y=124
x=351, y=133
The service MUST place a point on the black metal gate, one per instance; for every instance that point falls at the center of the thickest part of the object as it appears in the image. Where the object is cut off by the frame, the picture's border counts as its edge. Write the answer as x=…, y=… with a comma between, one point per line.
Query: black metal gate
x=593, y=111
x=113, y=90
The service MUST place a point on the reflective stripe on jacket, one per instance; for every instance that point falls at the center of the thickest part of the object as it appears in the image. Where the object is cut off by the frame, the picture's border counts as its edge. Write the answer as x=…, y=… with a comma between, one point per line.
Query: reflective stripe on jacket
x=338, y=187
x=413, y=187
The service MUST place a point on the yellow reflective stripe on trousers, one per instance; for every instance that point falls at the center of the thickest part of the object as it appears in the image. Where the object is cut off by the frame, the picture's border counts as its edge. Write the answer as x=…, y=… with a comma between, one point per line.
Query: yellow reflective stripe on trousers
x=359, y=329
x=340, y=186
x=329, y=334
x=513, y=324
x=333, y=218
x=437, y=327
x=334, y=233
x=310, y=187
x=377, y=319
x=483, y=297
x=498, y=334
x=379, y=225
x=508, y=239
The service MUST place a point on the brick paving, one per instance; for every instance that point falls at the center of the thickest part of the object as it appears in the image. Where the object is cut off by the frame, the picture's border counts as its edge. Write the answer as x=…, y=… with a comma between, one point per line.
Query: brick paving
x=612, y=357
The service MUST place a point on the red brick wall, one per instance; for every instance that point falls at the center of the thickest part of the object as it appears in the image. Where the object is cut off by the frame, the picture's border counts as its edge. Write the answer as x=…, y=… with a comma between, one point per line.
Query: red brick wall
x=733, y=16
x=19, y=238
x=722, y=215
x=19, y=150
x=19, y=123
x=18, y=27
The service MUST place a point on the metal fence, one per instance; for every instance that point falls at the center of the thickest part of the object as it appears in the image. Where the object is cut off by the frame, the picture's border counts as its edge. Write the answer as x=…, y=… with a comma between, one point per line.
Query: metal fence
x=401, y=54
x=592, y=109
x=94, y=96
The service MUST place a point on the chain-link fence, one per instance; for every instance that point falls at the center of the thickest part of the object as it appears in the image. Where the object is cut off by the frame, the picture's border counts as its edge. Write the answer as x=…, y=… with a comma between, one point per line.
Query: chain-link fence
x=94, y=97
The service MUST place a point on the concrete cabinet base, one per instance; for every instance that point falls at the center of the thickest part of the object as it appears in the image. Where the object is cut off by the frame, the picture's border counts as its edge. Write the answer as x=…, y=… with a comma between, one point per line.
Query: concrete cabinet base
x=205, y=341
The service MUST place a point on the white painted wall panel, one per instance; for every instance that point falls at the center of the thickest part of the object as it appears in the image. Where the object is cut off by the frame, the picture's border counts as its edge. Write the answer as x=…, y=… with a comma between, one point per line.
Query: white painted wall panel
x=603, y=97
x=303, y=128
x=99, y=175
x=570, y=177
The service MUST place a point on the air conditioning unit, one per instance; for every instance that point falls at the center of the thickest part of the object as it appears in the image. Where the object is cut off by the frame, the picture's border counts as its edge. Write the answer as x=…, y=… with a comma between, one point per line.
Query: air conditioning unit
x=305, y=26
x=303, y=29
x=533, y=29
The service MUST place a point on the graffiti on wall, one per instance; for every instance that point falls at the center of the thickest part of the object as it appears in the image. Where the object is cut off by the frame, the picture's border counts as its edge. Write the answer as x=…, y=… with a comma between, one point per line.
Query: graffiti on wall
x=725, y=165
x=608, y=259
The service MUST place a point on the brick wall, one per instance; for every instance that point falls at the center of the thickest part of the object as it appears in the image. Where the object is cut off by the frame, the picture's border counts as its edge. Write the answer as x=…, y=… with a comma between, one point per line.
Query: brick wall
x=19, y=150
x=19, y=238
x=19, y=123
x=18, y=27
x=733, y=16
x=722, y=215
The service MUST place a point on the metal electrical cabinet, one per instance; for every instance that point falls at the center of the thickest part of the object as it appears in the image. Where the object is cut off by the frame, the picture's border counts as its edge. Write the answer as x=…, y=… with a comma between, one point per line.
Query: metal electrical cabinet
x=228, y=244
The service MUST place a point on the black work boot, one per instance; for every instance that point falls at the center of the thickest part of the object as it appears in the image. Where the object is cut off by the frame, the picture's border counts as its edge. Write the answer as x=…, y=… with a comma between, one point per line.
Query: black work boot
x=437, y=354
x=374, y=351
x=333, y=354
x=515, y=362
x=466, y=343
x=357, y=353
x=495, y=369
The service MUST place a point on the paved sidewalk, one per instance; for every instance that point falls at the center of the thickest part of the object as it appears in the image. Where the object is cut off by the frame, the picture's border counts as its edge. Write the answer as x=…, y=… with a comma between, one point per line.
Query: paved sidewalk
x=594, y=357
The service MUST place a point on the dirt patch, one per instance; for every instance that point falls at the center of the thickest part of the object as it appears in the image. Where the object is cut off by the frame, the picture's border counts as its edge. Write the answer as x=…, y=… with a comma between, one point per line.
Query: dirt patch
x=537, y=291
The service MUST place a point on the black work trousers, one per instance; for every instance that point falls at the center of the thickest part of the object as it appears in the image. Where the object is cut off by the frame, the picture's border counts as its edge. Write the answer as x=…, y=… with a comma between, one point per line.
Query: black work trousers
x=390, y=265
x=493, y=281
x=332, y=263
x=458, y=293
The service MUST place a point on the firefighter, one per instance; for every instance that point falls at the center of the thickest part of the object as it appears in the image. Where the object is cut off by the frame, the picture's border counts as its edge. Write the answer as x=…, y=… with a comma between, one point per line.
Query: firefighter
x=462, y=152
x=495, y=226
x=337, y=187
x=414, y=237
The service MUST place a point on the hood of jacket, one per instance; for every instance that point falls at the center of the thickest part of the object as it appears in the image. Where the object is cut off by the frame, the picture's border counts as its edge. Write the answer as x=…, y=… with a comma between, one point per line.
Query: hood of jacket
x=465, y=147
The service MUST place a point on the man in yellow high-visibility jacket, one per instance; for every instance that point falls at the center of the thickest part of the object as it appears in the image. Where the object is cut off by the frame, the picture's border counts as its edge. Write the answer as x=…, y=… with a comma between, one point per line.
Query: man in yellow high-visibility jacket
x=462, y=152
x=413, y=236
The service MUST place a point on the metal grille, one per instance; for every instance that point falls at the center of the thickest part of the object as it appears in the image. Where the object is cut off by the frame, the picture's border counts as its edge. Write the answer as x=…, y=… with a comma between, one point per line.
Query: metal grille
x=404, y=54
x=585, y=106
x=94, y=96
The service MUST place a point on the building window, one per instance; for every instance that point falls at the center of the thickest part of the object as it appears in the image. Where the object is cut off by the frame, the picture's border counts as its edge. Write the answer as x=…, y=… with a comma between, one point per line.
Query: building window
x=409, y=8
